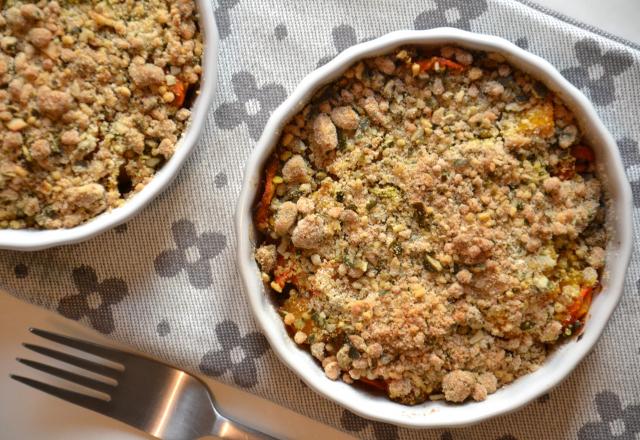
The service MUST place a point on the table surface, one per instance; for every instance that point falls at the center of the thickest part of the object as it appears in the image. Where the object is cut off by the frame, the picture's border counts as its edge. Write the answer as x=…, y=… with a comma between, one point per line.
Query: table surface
x=30, y=414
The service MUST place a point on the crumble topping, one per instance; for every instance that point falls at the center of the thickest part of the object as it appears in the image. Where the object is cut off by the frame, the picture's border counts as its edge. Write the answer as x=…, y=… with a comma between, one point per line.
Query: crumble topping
x=432, y=225
x=92, y=103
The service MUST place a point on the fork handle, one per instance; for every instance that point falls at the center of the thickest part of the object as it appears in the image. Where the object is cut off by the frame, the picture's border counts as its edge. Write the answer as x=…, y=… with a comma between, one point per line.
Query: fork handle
x=228, y=429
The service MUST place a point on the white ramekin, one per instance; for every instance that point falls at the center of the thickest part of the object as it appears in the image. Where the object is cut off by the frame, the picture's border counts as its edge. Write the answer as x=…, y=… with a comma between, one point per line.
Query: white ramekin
x=34, y=239
x=523, y=390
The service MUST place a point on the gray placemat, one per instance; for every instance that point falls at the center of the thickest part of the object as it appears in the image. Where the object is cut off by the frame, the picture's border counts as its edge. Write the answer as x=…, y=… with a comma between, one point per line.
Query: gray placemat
x=166, y=282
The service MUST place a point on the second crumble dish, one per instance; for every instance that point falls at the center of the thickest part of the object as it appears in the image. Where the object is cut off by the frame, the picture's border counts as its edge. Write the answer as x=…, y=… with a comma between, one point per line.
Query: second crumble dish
x=93, y=98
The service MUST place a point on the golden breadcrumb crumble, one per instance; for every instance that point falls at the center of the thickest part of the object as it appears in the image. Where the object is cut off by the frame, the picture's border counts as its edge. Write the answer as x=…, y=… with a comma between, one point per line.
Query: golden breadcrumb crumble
x=92, y=103
x=431, y=225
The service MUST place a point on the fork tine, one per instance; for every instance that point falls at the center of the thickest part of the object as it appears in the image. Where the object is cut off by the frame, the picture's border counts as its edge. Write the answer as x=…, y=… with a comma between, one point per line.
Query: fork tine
x=73, y=360
x=83, y=400
x=95, y=349
x=68, y=375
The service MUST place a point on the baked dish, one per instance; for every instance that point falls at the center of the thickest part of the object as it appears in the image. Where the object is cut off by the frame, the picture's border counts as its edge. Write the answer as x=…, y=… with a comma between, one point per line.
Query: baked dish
x=94, y=96
x=431, y=225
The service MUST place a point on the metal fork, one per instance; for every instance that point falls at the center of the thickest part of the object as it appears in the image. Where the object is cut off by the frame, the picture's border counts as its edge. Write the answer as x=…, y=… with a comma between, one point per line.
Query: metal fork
x=161, y=400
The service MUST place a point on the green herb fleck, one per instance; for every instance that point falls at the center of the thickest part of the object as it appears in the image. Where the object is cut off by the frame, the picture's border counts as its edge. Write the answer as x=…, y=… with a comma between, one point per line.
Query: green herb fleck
x=526, y=325
x=387, y=192
x=317, y=319
x=364, y=124
x=461, y=162
x=432, y=264
x=342, y=140
x=388, y=141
